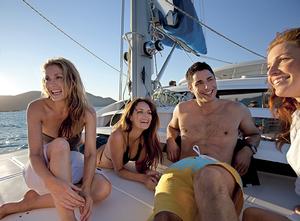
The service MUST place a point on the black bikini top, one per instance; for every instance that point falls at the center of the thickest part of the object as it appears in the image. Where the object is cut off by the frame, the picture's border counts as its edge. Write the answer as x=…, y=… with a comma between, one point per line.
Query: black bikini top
x=126, y=156
x=73, y=141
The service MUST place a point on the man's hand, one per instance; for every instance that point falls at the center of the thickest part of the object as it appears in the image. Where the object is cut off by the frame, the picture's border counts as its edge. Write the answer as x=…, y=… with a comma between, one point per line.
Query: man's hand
x=173, y=151
x=242, y=160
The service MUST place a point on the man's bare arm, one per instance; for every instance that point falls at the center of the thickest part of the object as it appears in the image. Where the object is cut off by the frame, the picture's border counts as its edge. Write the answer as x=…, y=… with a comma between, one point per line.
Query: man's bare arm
x=250, y=131
x=252, y=137
x=173, y=131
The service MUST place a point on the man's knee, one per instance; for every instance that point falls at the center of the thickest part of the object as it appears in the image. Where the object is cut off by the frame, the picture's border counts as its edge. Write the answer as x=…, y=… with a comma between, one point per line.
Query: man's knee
x=212, y=179
x=166, y=216
x=207, y=176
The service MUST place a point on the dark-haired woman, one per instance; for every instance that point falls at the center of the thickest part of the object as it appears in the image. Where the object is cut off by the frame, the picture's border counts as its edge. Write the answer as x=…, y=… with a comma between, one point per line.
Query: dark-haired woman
x=134, y=138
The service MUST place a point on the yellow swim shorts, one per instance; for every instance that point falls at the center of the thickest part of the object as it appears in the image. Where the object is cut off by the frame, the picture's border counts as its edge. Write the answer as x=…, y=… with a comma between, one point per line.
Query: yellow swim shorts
x=174, y=192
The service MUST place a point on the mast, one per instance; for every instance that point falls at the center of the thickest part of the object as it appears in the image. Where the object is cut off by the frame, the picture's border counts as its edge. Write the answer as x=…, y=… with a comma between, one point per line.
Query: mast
x=121, y=50
x=141, y=66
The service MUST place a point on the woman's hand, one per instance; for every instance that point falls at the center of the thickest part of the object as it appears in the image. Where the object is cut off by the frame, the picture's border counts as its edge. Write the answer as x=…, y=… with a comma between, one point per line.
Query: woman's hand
x=154, y=173
x=86, y=210
x=151, y=179
x=65, y=194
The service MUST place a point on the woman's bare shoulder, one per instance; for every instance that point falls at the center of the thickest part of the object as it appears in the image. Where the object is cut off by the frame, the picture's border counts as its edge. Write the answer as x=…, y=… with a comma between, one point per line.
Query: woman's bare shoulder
x=91, y=110
x=118, y=134
x=37, y=105
x=90, y=113
x=117, y=140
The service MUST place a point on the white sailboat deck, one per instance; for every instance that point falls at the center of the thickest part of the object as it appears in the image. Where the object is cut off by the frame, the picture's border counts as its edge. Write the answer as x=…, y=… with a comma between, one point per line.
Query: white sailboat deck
x=128, y=200
x=131, y=200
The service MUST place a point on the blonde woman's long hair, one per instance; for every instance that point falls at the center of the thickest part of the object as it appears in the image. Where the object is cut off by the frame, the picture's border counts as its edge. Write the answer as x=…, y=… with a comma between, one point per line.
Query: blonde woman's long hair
x=75, y=97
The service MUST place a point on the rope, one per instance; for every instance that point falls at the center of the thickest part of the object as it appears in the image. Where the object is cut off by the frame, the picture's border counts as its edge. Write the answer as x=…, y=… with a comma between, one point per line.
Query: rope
x=164, y=97
x=70, y=37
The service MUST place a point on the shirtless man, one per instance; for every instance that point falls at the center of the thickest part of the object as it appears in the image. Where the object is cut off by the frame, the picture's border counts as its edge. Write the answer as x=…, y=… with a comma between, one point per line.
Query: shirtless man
x=205, y=187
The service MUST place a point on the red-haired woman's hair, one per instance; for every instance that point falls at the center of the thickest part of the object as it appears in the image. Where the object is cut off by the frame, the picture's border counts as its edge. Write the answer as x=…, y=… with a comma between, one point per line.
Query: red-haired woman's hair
x=284, y=107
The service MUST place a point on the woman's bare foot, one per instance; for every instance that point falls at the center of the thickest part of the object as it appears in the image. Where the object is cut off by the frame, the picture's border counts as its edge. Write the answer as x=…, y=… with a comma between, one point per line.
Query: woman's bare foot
x=297, y=209
x=2, y=211
x=21, y=206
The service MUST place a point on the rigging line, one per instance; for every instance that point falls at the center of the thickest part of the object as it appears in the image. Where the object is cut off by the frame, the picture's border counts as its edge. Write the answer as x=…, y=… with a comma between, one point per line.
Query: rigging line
x=214, y=31
x=155, y=65
x=207, y=57
x=202, y=15
x=215, y=59
x=186, y=54
x=70, y=37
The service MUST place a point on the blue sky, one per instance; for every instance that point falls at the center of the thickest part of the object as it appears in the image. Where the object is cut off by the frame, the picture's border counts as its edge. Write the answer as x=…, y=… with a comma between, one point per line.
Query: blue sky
x=27, y=40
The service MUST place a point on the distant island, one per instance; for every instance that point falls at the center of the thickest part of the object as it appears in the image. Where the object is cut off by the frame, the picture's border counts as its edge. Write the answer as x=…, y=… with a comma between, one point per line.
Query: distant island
x=19, y=102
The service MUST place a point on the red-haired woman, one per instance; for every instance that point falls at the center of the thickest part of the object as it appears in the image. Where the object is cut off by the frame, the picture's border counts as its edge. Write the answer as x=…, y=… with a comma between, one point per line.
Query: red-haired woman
x=284, y=77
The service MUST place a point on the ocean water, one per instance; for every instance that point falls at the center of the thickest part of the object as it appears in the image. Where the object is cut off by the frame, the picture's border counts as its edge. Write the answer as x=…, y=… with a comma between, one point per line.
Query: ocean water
x=13, y=131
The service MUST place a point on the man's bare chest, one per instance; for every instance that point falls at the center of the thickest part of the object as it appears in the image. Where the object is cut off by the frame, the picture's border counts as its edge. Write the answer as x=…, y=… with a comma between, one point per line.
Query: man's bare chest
x=208, y=126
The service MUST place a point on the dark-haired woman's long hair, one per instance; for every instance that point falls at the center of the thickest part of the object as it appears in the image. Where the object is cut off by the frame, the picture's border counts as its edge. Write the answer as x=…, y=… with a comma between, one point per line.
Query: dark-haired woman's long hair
x=150, y=139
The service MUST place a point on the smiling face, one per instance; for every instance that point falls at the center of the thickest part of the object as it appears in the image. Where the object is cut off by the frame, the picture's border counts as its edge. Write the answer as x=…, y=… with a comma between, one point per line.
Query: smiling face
x=141, y=116
x=284, y=69
x=54, y=82
x=203, y=86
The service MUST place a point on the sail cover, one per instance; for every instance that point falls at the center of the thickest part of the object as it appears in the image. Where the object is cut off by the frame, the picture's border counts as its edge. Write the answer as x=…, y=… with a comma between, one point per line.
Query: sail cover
x=180, y=26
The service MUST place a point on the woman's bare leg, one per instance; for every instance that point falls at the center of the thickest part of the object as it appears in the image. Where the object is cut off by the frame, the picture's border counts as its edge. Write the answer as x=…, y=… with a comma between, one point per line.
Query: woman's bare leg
x=102, y=161
x=58, y=153
x=100, y=189
x=258, y=214
x=297, y=209
x=99, y=154
x=31, y=201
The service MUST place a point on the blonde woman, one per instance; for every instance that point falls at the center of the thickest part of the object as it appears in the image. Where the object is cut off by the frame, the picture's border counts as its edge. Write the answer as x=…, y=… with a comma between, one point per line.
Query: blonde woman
x=55, y=123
